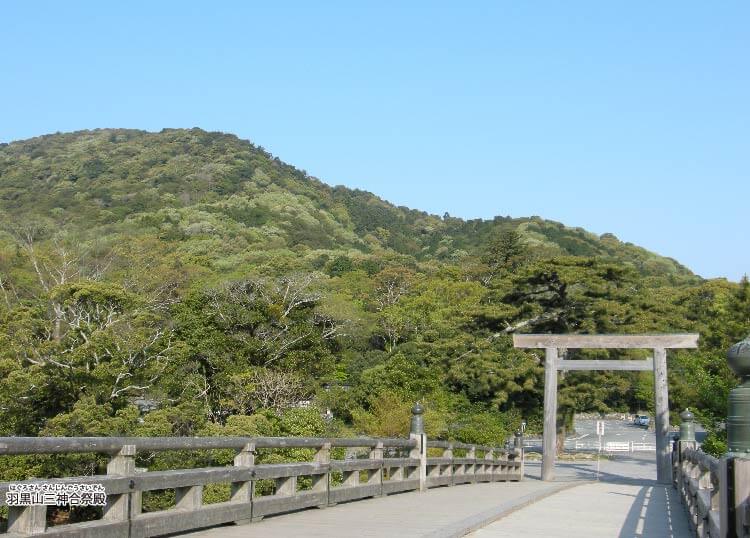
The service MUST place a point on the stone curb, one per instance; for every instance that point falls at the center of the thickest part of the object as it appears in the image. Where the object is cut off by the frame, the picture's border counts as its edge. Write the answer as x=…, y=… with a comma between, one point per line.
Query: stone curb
x=482, y=519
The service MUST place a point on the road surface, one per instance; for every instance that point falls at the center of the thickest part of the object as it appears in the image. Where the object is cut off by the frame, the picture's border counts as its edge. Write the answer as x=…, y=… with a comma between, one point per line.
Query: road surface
x=615, y=431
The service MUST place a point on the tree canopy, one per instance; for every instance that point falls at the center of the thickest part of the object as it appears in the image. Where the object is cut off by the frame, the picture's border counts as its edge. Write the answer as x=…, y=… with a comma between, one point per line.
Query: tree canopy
x=187, y=282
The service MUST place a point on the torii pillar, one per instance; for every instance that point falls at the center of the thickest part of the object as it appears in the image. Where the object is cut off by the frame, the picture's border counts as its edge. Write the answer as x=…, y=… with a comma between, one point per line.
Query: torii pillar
x=659, y=343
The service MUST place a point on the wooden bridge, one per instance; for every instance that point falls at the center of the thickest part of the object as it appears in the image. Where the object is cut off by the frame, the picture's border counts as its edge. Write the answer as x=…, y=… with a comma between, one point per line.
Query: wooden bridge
x=340, y=471
x=407, y=487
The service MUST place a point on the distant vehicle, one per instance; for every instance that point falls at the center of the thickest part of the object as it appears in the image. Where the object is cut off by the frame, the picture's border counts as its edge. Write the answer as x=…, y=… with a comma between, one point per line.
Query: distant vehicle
x=641, y=420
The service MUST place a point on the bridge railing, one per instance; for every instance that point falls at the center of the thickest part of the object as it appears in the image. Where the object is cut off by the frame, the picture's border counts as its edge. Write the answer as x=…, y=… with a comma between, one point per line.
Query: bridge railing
x=478, y=464
x=714, y=491
x=370, y=468
x=699, y=478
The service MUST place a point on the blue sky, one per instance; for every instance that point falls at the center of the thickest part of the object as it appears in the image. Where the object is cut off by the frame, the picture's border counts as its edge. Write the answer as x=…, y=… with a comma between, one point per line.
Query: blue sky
x=624, y=117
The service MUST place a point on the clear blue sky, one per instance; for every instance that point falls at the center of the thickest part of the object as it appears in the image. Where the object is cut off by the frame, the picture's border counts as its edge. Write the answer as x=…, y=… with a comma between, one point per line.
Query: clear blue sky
x=623, y=117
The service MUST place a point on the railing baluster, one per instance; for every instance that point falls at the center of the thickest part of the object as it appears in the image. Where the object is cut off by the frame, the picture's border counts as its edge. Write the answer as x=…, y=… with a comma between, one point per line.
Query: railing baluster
x=396, y=473
x=322, y=482
x=704, y=485
x=286, y=486
x=699, y=479
x=25, y=520
x=419, y=452
x=136, y=498
x=119, y=506
x=448, y=453
x=351, y=478
x=375, y=476
x=471, y=469
x=489, y=465
x=243, y=492
x=188, y=497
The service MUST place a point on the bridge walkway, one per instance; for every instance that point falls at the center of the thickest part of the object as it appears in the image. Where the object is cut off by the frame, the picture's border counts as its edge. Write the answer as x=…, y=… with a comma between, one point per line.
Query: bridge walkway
x=621, y=510
x=446, y=511
x=625, y=502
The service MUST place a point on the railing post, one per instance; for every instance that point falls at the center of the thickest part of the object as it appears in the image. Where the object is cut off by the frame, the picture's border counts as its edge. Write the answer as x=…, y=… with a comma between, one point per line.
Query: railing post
x=519, y=452
x=119, y=507
x=489, y=465
x=740, y=481
x=704, y=483
x=136, y=498
x=687, y=429
x=736, y=491
x=726, y=497
x=420, y=451
x=687, y=436
x=375, y=476
x=321, y=482
x=682, y=479
x=738, y=420
x=24, y=520
x=242, y=492
x=681, y=470
x=471, y=454
x=448, y=453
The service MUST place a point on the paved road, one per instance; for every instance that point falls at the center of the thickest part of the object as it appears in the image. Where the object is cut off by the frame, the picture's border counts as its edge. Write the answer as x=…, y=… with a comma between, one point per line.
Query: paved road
x=614, y=431
x=618, y=431
x=621, y=431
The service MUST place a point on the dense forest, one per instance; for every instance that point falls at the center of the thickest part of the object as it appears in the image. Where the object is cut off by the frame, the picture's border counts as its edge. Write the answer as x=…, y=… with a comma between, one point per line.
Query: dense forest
x=190, y=283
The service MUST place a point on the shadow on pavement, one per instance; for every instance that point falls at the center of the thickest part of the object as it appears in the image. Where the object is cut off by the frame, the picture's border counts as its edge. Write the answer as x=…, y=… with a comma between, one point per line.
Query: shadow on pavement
x=650, y=507
x=610, y=475
x=622, y=470
x=655, y=510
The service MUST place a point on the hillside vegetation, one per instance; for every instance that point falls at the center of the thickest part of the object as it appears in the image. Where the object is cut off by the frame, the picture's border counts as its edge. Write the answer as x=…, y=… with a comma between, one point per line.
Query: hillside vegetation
x=189, y=283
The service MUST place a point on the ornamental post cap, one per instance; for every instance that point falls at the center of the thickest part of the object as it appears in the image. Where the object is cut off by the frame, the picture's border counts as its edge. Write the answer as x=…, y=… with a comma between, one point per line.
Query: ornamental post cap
x=687, y=415
x=738, y=358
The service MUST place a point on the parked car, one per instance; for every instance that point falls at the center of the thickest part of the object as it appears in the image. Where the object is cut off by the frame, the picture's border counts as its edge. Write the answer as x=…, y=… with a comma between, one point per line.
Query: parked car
x=641, y=420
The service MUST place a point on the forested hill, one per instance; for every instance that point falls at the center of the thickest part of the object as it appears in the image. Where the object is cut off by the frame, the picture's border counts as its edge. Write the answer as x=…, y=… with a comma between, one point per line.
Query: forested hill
x=189, y=283
x=199, y=187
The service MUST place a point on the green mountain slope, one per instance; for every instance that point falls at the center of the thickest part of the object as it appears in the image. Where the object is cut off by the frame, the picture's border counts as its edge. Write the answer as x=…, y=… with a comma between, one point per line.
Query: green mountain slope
x=189, y=283
x=221, y=196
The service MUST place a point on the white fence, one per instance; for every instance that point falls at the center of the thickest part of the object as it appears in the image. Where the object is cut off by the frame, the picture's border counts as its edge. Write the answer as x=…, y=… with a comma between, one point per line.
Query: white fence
x=617, y=446
x=593, y=446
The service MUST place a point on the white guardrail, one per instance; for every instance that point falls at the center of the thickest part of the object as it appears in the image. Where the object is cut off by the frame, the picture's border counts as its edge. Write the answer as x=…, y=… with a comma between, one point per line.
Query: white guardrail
x=609, y=446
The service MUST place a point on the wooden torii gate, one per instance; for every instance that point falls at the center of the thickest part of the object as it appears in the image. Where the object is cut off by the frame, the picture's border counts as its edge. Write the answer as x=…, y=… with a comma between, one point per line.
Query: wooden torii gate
x=552, y=343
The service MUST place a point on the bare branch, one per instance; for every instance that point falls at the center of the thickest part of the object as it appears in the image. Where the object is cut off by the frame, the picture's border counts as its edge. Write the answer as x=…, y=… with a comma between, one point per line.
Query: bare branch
x=545, y=316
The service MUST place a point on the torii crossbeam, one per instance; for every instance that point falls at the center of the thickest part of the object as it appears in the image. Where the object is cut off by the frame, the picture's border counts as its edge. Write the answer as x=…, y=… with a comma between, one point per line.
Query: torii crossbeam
x=551, y=343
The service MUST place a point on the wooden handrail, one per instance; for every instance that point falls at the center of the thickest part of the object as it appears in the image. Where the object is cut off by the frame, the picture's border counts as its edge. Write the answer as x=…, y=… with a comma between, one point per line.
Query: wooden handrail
x=714, y=491
x=333, y=481
x=111, y=445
